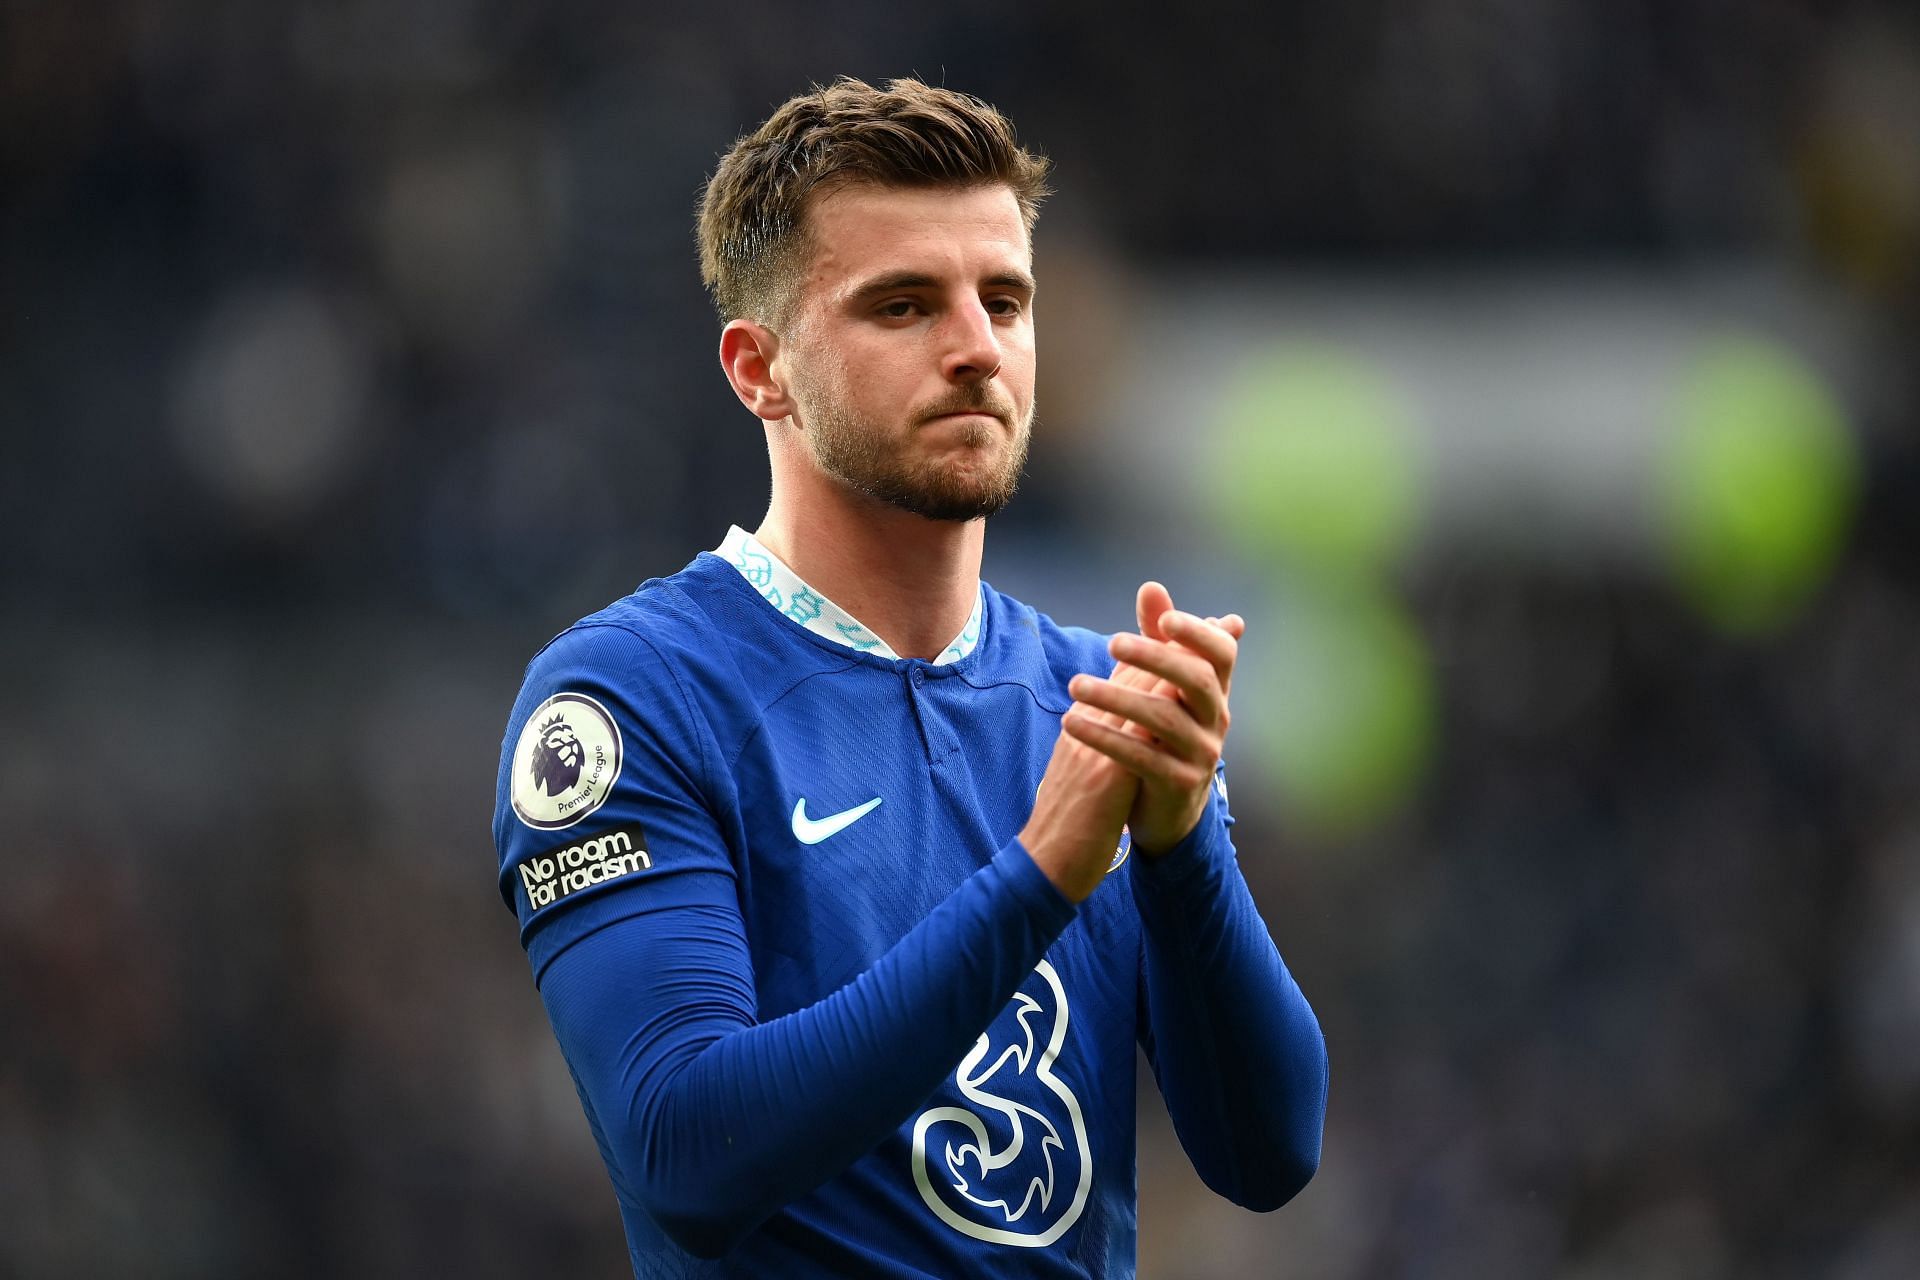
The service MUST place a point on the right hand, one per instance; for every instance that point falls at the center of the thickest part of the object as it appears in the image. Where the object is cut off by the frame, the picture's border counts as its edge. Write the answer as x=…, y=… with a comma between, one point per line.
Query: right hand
x=1162, y=714
x=1083, y=802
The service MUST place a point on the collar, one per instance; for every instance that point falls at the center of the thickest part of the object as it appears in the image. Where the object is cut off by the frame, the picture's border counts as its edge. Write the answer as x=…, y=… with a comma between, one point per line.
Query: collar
x=782, y=588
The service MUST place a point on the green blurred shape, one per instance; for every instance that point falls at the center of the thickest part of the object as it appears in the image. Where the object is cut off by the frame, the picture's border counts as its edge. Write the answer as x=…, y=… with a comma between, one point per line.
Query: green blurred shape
x=1348, y=713
x=1315, y=462
x=1755, y=485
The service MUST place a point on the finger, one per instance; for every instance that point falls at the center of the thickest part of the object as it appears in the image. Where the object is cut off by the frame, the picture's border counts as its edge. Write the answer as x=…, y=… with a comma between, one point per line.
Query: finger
x=1212, y=642
x=1213, y=650
x=1150, y=604
x=1136, y=755
x=1233, y=624
x=1217, y=639
x=1163, y=718
x=1176, y=670
x=1110, y=717
x=1189, y=673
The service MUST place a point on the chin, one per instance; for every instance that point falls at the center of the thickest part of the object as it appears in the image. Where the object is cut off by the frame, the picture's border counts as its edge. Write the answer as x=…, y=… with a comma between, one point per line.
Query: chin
x=957, y=504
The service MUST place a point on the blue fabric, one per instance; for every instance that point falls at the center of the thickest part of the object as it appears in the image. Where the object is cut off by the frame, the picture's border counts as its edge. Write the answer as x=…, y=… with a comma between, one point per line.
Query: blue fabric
x=891, y=1049
x=1219, y=1000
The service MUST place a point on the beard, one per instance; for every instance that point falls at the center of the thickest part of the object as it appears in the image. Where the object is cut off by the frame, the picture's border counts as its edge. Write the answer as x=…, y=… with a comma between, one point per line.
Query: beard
x=870, y=460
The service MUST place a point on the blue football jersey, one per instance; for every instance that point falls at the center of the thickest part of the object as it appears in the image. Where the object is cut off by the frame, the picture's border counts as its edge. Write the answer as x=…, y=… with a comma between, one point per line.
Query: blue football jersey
x=731, y=822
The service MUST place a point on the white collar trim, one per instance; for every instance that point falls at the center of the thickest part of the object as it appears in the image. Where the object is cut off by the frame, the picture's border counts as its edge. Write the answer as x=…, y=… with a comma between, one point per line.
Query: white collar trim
x=782, y=588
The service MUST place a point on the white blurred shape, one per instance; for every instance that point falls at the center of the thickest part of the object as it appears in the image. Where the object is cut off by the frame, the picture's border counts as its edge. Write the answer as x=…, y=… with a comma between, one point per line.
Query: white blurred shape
x=271, y=403
x=1540, y=397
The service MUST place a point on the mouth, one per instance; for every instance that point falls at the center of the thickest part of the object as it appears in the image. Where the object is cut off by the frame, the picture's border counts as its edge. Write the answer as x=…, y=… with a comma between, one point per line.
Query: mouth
x=965, y=415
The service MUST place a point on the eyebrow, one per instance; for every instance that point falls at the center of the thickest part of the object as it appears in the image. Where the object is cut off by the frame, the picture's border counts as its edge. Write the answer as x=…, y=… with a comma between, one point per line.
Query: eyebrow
x=893, y=280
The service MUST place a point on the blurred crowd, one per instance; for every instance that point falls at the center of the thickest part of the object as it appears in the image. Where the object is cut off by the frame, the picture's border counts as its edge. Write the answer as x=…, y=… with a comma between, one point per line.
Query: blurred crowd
x=349, y=350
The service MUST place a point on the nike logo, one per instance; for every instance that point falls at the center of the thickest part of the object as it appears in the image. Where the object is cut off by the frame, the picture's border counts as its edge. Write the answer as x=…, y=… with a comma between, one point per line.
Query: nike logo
x=812, y=831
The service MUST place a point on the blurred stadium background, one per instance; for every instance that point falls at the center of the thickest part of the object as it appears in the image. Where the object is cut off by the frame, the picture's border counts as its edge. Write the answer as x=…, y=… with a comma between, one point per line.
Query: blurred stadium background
x=1539, y=378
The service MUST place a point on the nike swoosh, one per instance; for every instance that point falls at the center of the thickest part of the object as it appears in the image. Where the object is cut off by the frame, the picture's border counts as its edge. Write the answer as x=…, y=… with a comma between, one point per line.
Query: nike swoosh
x=812, y=831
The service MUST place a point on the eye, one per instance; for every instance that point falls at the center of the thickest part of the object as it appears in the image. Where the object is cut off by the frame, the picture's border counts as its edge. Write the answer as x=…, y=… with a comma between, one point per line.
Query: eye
x=898, y=309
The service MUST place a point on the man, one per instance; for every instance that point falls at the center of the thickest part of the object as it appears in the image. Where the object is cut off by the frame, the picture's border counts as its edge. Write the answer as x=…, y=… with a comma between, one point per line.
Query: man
x=848, y=884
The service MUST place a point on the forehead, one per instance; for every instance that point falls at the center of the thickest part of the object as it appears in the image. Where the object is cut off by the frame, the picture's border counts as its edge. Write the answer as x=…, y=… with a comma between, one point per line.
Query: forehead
x=861, y=231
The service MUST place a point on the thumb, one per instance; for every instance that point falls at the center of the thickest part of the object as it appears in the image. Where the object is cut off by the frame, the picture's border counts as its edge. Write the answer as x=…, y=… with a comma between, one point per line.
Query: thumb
x=1151, y=604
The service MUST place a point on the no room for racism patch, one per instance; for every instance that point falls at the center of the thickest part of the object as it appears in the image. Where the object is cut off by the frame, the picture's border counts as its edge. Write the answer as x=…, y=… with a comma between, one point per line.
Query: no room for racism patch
x=567, y=869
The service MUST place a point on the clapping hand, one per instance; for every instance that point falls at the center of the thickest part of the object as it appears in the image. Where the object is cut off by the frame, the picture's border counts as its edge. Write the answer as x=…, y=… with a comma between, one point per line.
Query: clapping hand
x=1163, y=714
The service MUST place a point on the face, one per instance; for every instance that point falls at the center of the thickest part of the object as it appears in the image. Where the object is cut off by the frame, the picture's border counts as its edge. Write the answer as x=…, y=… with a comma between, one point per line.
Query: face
x=910, y=355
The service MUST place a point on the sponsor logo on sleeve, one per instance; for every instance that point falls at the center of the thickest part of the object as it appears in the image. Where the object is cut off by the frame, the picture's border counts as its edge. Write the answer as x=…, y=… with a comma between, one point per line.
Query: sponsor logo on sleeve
x=566, y=869
x=565, y=763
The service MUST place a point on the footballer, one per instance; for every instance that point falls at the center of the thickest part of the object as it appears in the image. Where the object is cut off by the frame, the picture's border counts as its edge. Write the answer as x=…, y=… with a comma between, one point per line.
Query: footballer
x=849, y=883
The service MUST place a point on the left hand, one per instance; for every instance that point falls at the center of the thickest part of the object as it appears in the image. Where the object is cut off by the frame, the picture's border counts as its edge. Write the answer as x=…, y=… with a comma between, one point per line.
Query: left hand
x=1163, y=715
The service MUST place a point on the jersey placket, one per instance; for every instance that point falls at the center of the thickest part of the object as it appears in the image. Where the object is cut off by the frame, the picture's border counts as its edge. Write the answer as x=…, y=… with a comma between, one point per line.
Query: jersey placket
x=950, y=769
x=937, y=738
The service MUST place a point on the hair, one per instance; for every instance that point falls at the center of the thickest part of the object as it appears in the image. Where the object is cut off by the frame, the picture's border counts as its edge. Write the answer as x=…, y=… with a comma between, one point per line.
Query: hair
x=753, y=233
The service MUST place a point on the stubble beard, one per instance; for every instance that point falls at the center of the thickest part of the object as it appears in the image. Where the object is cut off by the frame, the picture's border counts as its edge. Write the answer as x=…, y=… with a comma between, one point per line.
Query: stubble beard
x=871, y=461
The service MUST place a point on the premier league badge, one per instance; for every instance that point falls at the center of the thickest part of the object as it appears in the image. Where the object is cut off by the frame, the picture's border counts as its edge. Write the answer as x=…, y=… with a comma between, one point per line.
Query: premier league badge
x=566, y=761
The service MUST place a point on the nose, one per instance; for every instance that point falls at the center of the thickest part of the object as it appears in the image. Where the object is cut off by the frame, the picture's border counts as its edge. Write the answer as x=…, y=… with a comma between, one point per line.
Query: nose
x=971, y=346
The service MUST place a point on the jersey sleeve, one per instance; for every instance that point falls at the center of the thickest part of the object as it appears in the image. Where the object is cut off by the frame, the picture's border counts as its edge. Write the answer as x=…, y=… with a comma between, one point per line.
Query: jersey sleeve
x=605, y=803
x=708, y=1119
x=1233, y=1043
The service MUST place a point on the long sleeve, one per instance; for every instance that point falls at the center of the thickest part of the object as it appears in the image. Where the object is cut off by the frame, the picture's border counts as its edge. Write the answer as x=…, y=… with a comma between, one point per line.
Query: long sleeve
x=1234, y=1045
x=711, y=1121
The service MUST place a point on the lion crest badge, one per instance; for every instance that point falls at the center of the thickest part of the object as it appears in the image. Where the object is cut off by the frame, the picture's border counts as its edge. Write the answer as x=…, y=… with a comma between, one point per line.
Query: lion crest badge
x=565, y=763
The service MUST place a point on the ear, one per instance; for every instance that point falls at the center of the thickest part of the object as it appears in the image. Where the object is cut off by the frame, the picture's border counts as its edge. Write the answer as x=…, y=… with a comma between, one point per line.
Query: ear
x=747, y=353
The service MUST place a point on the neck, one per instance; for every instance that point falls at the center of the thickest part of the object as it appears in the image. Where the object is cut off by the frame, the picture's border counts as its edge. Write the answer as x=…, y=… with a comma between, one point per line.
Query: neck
x=910, y=580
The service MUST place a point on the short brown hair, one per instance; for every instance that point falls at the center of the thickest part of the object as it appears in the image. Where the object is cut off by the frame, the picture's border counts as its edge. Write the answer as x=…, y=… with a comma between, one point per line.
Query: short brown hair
x=753, y=209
